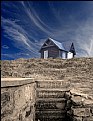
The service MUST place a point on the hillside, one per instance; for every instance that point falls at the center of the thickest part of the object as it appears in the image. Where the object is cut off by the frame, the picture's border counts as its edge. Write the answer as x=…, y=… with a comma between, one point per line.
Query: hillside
x=79, y=71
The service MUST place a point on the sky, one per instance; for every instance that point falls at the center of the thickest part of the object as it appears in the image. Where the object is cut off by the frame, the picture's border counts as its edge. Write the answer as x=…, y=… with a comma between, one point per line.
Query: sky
x=25, y=25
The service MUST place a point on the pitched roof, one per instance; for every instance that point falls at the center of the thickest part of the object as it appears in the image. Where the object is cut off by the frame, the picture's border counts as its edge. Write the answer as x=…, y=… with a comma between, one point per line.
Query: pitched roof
x=67, y=45
x=72, y=49
x=60, y=45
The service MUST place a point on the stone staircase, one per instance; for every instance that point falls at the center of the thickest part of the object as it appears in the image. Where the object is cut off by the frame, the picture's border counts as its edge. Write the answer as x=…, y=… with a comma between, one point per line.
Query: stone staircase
x=51, y=102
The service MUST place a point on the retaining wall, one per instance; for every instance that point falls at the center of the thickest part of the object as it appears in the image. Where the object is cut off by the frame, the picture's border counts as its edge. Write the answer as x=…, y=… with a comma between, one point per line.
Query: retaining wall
x=17, y=99
x=20, y=99
x=81, y=107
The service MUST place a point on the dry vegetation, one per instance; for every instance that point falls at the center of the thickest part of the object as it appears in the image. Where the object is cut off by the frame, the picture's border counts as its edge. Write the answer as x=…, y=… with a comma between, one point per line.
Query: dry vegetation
x=79, y=71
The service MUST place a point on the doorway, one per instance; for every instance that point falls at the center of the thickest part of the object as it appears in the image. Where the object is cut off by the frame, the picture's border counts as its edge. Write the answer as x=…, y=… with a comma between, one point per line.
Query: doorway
x=45, y=54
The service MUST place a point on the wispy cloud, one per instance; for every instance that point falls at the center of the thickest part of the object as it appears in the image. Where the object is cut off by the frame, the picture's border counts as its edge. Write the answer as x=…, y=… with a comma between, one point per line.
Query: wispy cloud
x=35, y=18
x=14, y=31
x=5, y=47
x=26, y=27
x=17, y=34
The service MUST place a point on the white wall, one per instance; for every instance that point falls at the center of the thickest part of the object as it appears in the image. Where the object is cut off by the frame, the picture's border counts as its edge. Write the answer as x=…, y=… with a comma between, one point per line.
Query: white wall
x=69, y=55
x=63, y=55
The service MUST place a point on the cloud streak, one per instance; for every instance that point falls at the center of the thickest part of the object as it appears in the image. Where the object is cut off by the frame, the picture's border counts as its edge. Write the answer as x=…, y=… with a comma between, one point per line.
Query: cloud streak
x=27, y=25
x=35, y=18
x=5, y=47
x=17, y=34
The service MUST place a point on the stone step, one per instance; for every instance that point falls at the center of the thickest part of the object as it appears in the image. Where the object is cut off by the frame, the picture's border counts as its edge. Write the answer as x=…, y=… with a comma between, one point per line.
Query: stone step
x=53, y=84
x=50, y=94
x=50, y=116
x=53, y=119
x=81, y=112
x=51, y=111
x=51, y=100
x=64, y=89
x=50, y=105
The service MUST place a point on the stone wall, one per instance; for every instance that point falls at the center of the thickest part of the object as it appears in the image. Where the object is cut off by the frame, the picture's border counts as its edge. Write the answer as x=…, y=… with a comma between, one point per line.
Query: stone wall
x=81, y=106
x=23, y=99
x=59, y=100
x=17, y=99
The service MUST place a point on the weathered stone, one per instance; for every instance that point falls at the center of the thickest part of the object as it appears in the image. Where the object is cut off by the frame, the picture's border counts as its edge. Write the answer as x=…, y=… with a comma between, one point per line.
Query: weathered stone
x=5, y=98
x=17, y=101
x=78, y=92
x=53, y=84
x=77, y=100
x=7, y=119
x=69, y=104
x=67, y=95
x=88, y=118
x=7, y=104
x=81, y=111
x=50, y=94
x=91, y=110
x=78, y=70
x=70, y=112
x=77, y=118
x=88, y=103
x=61, y=105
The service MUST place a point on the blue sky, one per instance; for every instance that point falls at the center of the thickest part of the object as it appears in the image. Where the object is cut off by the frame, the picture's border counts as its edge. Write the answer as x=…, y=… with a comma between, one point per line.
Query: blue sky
x=26, y=25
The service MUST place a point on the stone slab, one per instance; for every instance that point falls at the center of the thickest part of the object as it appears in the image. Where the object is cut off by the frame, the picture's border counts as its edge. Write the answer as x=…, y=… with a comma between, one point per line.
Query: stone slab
x=6, y=82
x=81, y=112
x=88, y=118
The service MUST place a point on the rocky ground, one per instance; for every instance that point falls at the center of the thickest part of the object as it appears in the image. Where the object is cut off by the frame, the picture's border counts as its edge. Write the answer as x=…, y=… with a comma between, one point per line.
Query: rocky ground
x=77, y=71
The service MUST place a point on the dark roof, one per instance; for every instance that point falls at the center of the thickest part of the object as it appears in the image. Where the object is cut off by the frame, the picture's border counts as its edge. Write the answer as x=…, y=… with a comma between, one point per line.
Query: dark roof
x=66, y=45
x=72, y=49
x=60, y=45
